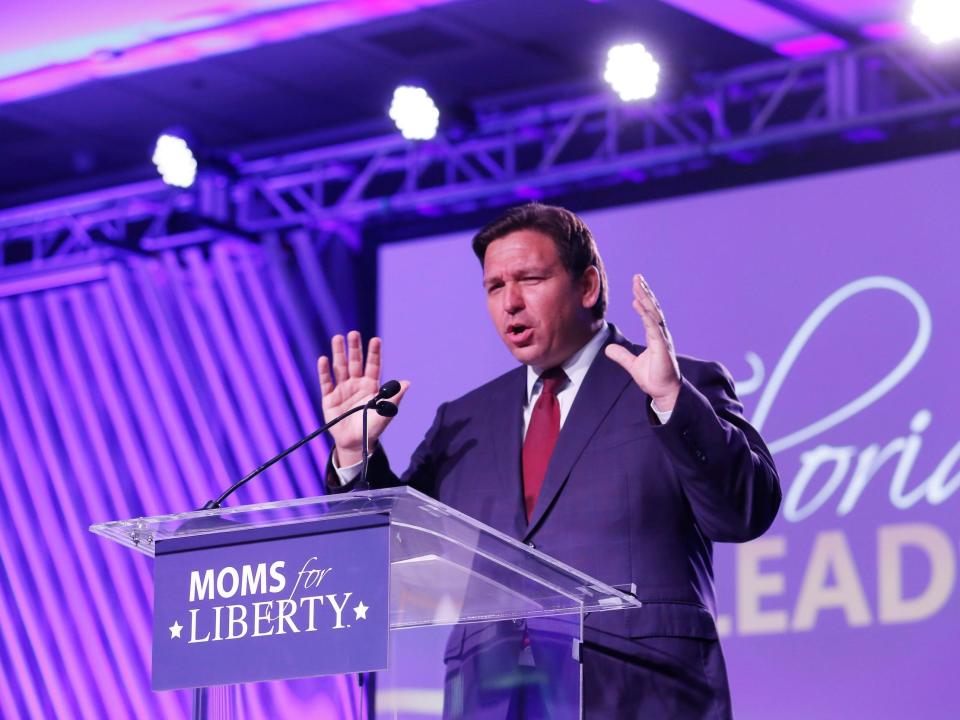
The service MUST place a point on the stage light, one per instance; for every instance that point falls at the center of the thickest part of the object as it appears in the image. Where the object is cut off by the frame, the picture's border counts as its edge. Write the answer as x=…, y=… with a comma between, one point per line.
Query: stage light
x=175, y=160
x=414, y=112
x=939, y=20
x=632, y=72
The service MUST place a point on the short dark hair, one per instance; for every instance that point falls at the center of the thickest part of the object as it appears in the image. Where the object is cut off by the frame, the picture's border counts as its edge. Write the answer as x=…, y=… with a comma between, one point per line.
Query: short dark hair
x=574, y=241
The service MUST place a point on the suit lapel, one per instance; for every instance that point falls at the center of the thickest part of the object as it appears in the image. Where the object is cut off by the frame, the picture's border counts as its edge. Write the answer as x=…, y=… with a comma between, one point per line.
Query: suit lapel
x=506, y=428
x=603, y=384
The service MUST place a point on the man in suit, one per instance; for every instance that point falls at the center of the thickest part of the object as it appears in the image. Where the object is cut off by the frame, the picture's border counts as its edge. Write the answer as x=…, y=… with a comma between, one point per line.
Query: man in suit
x=624, y=461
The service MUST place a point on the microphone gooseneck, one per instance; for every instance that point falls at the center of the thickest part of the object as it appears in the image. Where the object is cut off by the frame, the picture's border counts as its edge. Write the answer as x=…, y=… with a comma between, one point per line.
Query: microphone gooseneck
x=378, y=403
x=383, y=408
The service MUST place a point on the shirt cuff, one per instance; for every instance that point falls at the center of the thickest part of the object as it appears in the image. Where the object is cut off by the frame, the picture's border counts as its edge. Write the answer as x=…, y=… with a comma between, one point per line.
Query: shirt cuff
x=348, y=474
x=662, y=415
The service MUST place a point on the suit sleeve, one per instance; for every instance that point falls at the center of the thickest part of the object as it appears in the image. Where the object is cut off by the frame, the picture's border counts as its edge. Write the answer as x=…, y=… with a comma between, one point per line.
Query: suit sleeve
x=421, y=475
x=726, y=470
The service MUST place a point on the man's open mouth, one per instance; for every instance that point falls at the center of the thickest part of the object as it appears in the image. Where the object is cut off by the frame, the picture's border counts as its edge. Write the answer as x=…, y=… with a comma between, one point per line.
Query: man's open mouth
x=519, y=333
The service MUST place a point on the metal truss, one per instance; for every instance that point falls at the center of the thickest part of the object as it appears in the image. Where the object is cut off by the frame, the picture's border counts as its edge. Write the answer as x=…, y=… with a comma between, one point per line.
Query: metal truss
x=867, y=92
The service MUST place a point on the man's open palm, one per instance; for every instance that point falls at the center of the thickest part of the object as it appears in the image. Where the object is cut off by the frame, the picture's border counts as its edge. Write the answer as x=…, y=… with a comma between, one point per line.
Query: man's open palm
x=348, y=383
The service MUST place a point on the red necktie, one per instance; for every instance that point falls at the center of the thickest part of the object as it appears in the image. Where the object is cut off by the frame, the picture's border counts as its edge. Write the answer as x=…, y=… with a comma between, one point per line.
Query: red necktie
x=541, y=436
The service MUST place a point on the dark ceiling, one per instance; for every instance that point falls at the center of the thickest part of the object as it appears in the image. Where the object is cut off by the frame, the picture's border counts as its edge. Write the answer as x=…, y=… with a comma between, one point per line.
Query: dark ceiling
x=336, y=86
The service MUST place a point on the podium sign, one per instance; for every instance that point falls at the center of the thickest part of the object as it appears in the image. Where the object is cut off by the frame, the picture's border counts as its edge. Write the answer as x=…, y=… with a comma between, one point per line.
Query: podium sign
x=285, y=601
x=477, y=621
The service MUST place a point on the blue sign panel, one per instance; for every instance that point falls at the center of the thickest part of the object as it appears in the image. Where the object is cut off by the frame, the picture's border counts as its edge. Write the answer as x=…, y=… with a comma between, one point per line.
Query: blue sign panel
x=271, y=603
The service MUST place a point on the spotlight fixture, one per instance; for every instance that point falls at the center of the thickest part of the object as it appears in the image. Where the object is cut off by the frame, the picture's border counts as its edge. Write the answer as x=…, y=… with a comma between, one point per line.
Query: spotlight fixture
x=174, y=159
x=632, y=72
x=414, y=113
x=939, y=20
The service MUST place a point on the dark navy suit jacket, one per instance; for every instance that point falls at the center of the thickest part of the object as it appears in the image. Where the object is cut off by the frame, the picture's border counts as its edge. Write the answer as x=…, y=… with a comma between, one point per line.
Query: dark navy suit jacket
x=625, y=499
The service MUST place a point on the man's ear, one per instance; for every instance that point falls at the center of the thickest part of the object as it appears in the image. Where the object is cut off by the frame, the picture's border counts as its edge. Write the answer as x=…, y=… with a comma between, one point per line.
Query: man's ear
x=590, y=286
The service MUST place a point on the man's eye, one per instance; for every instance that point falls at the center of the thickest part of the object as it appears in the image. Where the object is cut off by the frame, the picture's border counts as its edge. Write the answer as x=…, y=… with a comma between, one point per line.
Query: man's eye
x=533, y=280
x=492, y=288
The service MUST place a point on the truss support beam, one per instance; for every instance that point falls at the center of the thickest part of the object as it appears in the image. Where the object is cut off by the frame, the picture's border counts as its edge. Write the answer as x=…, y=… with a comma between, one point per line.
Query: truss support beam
x=548, y=148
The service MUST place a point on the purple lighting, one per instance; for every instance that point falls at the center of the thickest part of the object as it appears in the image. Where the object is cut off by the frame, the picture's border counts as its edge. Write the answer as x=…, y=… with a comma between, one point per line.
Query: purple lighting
x=893, y=30
x=866, y=135
x=747, y=18
x=156, y=35
x=528, y=192
x=810, y=45
x=116, y=402
x=744, y=157
x=634, y=175
x=425, y=210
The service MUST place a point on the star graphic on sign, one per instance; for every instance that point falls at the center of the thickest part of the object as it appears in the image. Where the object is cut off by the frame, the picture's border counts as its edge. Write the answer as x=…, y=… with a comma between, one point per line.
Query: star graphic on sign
x=175, y=629
x=361, y=611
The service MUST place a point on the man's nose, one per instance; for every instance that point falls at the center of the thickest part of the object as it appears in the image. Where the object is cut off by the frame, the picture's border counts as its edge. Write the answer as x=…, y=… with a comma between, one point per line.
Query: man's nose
x=512, y=298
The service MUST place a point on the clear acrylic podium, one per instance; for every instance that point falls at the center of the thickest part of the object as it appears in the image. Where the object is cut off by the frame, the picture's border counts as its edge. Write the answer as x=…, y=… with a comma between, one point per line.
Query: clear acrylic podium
x=481, y=625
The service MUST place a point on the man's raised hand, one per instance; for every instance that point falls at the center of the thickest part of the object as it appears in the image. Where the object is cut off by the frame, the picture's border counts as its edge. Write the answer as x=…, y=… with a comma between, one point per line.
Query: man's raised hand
x=352, y=383
x=655, y=370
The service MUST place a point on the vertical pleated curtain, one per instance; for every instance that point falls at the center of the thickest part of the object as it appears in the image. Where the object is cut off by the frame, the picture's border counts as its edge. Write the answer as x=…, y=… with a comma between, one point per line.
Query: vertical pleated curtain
x=144, y=392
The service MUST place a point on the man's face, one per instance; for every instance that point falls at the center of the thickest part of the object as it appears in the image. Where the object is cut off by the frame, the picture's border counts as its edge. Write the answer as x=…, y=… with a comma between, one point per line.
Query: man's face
x=541, y=312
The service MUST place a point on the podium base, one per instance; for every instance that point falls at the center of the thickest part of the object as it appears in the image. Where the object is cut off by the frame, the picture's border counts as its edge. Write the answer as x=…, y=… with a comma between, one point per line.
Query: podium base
x=215, y=703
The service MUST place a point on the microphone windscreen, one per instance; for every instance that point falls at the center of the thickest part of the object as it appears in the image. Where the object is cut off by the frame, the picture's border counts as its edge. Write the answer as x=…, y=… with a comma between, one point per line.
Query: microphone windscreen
x=389, y=389
x=387, y=409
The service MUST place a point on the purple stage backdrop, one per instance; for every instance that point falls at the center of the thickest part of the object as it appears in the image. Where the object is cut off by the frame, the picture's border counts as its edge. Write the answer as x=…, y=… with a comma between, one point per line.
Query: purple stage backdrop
x=833, y=301
x=143, y=386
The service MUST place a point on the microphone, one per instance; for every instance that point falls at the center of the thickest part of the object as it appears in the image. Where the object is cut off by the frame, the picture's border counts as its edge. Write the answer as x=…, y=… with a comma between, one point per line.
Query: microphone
x=384, y=408
x=387, y=390
x=378, y=403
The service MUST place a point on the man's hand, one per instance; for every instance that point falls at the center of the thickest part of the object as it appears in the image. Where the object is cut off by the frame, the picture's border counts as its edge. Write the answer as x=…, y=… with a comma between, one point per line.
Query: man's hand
x=655, y=370
x=356, y=383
